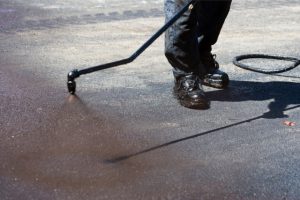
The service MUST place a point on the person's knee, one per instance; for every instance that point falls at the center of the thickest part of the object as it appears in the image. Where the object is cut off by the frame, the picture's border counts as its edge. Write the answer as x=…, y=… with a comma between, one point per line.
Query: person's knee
x=170, y=53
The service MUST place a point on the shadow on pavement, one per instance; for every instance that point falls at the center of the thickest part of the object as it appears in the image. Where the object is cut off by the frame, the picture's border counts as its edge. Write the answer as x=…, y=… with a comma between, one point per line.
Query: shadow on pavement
x=283, y=93
x=123, y=158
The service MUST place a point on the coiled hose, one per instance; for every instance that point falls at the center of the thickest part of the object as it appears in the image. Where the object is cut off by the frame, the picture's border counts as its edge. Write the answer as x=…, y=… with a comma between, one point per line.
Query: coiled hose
x=295, y=63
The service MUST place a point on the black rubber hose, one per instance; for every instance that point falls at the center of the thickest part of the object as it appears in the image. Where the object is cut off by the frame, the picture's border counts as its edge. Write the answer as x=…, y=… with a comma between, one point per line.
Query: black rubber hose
x=236, y=61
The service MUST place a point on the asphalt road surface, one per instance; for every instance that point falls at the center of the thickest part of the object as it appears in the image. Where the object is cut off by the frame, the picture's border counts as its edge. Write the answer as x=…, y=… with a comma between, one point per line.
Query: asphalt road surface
x=124, y=136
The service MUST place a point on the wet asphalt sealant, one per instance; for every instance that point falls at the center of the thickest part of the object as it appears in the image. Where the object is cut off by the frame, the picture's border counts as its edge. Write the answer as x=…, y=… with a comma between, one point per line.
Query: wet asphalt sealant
x=124, y=136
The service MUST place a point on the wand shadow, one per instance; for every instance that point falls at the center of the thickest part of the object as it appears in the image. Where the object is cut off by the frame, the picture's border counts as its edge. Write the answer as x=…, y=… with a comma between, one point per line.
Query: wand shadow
x=283, y=93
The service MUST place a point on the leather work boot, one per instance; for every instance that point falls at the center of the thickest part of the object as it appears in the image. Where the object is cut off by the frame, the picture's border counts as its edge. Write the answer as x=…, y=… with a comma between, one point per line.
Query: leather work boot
x=214, y=77
x=188, y=90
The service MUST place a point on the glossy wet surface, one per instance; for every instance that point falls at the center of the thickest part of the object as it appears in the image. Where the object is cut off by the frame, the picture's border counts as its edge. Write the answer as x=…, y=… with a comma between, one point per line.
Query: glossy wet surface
x=124, y=136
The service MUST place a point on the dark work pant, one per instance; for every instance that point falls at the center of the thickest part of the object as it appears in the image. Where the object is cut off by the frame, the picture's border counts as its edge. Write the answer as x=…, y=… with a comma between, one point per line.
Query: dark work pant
x=182, y=41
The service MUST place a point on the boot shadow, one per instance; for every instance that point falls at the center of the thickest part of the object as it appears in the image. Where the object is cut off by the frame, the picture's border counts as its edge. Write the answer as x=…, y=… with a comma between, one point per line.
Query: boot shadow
x=283, y=95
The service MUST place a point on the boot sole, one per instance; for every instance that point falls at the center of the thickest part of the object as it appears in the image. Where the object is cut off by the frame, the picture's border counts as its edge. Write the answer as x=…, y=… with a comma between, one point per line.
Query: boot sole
x=217, y=83
x=194, y=105
x=200, y=105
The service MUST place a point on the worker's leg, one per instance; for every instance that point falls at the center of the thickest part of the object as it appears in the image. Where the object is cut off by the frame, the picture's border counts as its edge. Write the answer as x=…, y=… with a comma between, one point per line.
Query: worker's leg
x=181, y=46
x=181, y=50
x=211, y=16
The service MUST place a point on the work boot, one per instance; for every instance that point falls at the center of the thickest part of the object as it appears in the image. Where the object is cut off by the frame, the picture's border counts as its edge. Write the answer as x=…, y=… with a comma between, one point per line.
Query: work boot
x=214, y=77
x=189, y=92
